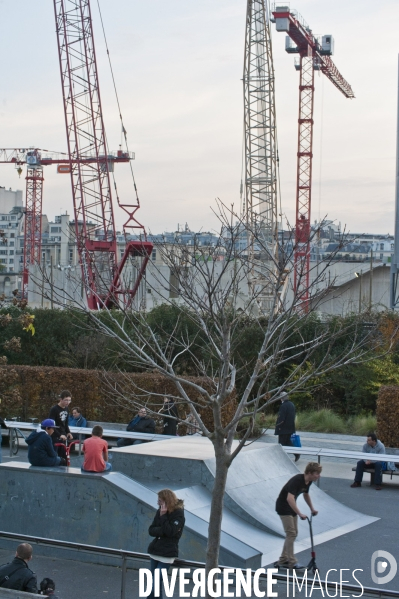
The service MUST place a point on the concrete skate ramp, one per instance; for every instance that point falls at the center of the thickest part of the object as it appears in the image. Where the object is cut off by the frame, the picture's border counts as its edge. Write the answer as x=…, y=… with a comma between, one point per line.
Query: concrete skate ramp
x=109, y=510
x=254, y=482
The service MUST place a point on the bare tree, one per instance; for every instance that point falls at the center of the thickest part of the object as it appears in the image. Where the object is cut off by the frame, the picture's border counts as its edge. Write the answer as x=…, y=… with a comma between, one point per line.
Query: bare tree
x=214, y=293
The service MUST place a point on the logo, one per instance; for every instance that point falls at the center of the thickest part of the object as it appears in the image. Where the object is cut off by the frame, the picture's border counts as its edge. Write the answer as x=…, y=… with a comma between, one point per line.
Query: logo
x=379, y=565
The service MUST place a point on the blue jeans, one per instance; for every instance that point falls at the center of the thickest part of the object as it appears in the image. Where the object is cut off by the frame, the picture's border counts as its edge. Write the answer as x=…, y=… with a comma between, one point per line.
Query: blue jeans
x=157, y=565
x=377, y=466
x=108, y=468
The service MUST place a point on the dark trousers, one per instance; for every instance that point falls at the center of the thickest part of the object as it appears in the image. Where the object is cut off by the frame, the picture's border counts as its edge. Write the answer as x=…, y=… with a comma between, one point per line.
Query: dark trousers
x=286, y=440
x=157, y=565
x=376, y=466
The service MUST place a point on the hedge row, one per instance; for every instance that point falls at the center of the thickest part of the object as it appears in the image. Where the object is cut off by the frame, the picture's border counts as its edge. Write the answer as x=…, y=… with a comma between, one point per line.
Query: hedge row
x=30, y=391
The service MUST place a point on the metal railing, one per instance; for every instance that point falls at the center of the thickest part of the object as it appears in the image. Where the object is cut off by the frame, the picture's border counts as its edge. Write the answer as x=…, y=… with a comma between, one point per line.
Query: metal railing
x=133, y=555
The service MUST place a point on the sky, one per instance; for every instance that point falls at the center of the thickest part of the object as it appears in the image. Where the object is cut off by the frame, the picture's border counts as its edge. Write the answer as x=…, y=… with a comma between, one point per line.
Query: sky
x=178, y=68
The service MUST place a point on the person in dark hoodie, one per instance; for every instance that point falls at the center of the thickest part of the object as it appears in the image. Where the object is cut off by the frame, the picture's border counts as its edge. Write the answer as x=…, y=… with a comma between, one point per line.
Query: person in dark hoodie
x=167, y=528
x=170, y=415
x=40, y=447
x=140, y=424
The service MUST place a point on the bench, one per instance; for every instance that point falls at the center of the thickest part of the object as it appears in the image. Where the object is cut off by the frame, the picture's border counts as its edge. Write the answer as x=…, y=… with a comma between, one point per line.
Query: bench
x=370, y=471
x=319, y=452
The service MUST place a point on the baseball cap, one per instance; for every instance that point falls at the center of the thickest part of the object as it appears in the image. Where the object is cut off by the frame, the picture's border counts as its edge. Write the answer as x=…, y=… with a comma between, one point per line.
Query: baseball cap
x=49, y=423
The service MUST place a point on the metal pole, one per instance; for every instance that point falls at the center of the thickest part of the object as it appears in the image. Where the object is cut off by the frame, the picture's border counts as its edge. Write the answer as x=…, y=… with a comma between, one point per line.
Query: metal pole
x=51, y=282
x=360, y=291
x=10, y=440
x=395, y=257
x=43, y=267
x=124, y=570
x=371, y=280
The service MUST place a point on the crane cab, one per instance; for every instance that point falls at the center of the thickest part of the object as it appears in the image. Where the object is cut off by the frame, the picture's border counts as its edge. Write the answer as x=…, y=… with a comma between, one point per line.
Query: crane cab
x=33, y=159
x=327, y=45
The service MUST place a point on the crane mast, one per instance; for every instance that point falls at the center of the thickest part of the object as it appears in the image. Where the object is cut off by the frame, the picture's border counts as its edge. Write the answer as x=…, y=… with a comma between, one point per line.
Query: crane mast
x=33, y=218
x=260, y=207
x=313, y=56
x=91, y=186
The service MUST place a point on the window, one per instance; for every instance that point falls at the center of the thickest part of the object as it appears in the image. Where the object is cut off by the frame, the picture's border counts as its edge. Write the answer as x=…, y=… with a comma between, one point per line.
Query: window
x=3, y=261
x=381, y=246
x=392, y=246
x=11, y=269
x=11, y=253
x=12, y=234
x=55, y=229
x=154, y=254
x=11, y=243
x=11, y=261
x=381, y=256
x=3, y=252
x=13, y=218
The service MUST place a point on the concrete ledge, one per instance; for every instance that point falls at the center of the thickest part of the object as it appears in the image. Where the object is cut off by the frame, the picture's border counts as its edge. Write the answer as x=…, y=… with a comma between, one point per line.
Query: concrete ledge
x=9, y=594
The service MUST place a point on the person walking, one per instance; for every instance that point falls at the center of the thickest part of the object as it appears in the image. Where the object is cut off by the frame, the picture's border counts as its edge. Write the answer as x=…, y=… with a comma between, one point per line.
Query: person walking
x=17, y=575
x=285, y=423
x=287, y=509
x=167, y=528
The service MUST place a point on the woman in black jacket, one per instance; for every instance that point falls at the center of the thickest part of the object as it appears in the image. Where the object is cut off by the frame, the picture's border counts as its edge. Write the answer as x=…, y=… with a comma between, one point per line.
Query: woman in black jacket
x=167, y=528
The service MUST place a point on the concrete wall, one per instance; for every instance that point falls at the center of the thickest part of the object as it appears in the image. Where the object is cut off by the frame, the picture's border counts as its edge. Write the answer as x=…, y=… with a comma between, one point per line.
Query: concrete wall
x=354, y=295
x=103, y=510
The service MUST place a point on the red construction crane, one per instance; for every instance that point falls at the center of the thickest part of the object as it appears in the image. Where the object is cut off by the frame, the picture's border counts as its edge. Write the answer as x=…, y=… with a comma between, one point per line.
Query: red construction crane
x=91, y=184
x=314, y=55
x=35, y=159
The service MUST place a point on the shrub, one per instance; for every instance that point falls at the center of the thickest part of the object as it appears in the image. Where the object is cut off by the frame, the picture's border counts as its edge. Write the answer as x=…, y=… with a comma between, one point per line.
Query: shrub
x=388, y=415
x=38, y=388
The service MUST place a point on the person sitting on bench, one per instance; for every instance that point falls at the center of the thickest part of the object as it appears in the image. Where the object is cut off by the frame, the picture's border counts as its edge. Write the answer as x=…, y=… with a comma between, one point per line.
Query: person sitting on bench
x=140, y=424
x=373, y=445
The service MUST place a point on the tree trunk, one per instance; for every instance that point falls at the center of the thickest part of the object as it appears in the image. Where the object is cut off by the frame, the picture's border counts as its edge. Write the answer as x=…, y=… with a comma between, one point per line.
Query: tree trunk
x=215, y=518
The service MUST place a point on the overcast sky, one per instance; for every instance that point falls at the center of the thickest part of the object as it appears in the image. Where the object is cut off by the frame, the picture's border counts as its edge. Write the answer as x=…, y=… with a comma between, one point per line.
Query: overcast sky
x=178, y=66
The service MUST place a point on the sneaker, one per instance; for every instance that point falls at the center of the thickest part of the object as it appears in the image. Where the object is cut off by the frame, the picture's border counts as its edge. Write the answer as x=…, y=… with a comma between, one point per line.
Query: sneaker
x=280, y=564
x=378, y=487
x=356, y=484
x=298, y=567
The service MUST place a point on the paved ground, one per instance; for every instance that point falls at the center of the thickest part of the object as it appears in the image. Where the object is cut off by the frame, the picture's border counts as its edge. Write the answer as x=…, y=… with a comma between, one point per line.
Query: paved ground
x=352, y=551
